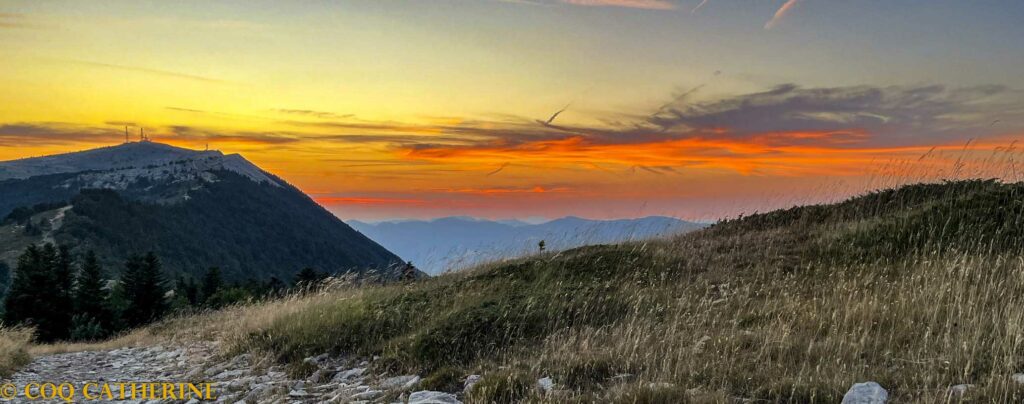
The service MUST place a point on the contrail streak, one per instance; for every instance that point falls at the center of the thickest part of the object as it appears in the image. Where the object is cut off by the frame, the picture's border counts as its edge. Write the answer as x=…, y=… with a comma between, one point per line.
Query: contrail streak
x=702, y=3
x=781, y=12
x=552, y=118
x=503, y=165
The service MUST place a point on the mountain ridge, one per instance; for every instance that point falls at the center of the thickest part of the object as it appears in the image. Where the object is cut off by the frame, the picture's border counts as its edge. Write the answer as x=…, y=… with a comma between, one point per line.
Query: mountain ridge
x=196, y=209
x=455, y=242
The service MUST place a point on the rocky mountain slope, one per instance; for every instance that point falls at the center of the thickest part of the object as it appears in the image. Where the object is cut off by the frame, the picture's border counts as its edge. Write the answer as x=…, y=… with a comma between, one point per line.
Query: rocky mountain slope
x=195, y=209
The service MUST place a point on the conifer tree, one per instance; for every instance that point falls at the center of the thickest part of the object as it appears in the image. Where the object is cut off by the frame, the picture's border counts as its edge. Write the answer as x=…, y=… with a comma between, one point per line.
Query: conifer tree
x=144, y=289
x=90, y=296
x=5, y=277
x=212, y=282
x=62, y=292
x=20, y=303
x=308, y=277
x=274, y=287
x=187, y=290
x=30, y=300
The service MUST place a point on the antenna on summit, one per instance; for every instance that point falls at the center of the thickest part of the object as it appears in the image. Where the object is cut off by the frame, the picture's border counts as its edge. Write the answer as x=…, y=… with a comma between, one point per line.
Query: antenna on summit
x=126, y=135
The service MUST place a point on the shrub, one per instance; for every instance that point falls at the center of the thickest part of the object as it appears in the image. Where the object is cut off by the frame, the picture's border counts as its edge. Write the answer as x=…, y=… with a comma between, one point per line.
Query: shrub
x=14, y=354
x=447, y=379
x=502, y=387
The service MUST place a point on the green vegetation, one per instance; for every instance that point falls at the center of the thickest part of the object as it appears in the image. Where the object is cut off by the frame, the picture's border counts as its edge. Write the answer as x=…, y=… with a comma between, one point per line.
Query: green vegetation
x=61, y=303
x=916, y=288
x=58, y=301
x=247, y=229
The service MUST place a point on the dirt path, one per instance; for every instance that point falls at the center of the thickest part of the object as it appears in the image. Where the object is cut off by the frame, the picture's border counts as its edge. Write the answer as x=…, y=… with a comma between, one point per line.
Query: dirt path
x=148, y=364
x=232, y=380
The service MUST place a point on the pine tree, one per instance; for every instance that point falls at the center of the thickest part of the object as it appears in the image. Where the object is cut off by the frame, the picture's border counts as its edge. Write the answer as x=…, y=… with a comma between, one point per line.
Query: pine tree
x=308, y=277
x=20, y=303
x=274, y=287
x=144, y=289
x=90, y=297
x=63, y=292
x=30, y=300
x=409, y=272
x=211, y=284
x=5, y=278
x=187, y=290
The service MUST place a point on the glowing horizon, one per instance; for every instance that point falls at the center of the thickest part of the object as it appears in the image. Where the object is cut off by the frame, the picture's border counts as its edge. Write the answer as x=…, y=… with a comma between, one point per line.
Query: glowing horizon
x=515, y=109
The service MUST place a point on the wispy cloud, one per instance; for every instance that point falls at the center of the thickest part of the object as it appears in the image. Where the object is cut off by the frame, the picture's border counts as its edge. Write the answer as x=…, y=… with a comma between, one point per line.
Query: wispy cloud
x=495, y=191
x=643, y=4
x=53, y=133
x=640, y=4
x=359, y=200
x=17, y=21
x=312, y=113
x=787, y=129
x=146, y=70
x=781, y=12
x=189, y=133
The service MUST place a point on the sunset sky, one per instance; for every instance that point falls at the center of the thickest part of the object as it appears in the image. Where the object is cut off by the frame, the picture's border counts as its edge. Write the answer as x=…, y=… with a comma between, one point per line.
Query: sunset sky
x=532, y=108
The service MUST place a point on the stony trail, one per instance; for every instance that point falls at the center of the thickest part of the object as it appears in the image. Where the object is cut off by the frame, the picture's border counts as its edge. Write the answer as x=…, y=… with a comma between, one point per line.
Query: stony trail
x=238, y=379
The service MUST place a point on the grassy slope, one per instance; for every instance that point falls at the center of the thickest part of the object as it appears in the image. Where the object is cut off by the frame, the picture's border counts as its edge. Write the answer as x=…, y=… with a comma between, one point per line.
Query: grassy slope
x=917, y=289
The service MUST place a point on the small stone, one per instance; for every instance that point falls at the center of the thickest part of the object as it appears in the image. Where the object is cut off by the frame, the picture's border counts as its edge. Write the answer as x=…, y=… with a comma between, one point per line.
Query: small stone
x=545, y=384
x=866, y=393
x=297, y=393
x=403, y=382
x=470, y=381
x=959, y=390
x=348, y=374
x=432, y=397
x=216, y=369
x=192, y=401
x=229, y=374
x=1018, y=378
x=367, y=395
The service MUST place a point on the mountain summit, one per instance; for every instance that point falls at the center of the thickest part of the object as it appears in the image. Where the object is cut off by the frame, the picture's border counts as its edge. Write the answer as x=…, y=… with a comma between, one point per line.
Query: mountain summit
x=195, y=209
x=133, y=160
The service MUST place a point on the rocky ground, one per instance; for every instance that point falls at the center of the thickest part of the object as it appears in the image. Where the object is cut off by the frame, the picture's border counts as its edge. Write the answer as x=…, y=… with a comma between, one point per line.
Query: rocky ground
x=240, y=379
x=245, y=379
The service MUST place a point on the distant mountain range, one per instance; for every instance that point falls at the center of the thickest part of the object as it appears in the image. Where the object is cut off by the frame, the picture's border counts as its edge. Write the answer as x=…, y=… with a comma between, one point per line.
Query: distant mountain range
x=195, y=209
x=453, y=243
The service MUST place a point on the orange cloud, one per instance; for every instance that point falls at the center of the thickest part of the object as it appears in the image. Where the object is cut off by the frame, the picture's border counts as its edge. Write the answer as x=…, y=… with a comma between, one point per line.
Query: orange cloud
x=778, y=153
x=538, y=189
x=367, y=201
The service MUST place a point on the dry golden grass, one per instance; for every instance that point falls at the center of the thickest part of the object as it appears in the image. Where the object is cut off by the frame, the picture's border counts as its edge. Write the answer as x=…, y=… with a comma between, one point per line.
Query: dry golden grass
x=793, y=306
x=14, y=343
